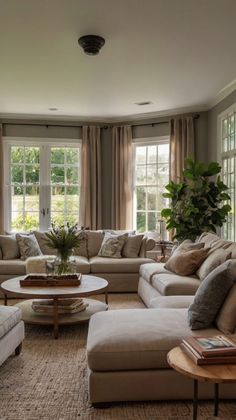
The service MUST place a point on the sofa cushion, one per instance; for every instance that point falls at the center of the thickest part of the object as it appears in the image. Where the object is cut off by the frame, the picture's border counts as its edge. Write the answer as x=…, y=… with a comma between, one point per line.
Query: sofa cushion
x=12, y=267
x=9, y=247
x=226, y=318
x=114, y=265
x=94, y=242
x=186, y=262
x=211, y=295
x=131, y=339
x=147, y=271
x=208, y=238
x=232, y=249
x=9, y=317
x=28, y=246
x=171, y=302
x=132, y=246
x=213, y=260
x=173, y=284
x=42, y=241
x=112, y=245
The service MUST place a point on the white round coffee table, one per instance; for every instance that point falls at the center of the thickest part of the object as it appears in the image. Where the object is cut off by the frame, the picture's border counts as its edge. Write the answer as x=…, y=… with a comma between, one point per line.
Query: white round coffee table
x=90, y=285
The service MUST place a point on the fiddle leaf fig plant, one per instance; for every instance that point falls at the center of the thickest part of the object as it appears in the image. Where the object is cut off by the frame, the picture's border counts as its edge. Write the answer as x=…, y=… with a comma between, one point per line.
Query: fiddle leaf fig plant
x=198, y=203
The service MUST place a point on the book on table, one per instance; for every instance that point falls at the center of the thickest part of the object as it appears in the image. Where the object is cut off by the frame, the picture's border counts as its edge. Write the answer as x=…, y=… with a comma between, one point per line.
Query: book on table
x=64, y=306
x=210, y=350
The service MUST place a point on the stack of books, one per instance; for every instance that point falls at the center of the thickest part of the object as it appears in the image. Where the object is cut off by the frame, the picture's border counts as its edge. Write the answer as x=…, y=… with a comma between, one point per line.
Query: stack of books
x=214, y=350
x=65, y=306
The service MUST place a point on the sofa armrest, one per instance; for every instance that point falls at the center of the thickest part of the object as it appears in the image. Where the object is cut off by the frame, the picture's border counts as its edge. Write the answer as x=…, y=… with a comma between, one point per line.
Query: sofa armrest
x=147, y=245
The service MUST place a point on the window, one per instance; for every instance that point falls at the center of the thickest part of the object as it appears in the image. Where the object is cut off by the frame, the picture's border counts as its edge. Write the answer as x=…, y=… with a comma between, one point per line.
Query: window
x=42, y=184
x=151, y=175
x=228, y=159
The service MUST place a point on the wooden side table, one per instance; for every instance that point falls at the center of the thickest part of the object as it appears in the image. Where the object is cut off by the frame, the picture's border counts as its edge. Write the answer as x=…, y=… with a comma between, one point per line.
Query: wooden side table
x=215, y=374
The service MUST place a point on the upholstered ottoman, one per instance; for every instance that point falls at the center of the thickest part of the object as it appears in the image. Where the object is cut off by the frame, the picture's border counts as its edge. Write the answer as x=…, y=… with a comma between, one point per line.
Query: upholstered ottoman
x=12, y=331
x=126, y=354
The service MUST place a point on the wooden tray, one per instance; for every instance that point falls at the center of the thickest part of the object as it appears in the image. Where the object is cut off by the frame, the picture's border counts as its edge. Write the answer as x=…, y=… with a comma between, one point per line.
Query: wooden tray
x=43, y=280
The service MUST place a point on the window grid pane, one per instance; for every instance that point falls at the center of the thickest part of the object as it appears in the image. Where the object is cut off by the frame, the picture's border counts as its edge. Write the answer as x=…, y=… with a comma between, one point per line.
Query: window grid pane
x=228, y=170
x=151, y=176
x=64, y=185
x=24, y=186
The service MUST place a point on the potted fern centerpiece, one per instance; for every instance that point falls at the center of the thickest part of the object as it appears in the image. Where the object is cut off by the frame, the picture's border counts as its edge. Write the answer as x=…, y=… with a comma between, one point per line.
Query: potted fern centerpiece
x=64, y=239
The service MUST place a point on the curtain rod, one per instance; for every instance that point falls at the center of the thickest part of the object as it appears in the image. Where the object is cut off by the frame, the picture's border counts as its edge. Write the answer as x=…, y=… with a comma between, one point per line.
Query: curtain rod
x=50, y=125
x=105, y=127
x=195, y=117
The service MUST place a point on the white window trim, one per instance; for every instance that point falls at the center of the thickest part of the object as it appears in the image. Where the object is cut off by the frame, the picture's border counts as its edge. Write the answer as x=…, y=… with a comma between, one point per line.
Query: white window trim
x=144, y=141
x=220, y=153
x=30, y=141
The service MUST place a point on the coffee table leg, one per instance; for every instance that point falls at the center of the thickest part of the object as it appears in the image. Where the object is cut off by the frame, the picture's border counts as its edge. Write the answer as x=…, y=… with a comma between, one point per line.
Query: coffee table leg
x=5, y=299
x=55, y=317
x=216, y=402
x=106, y=297
x=195, y=398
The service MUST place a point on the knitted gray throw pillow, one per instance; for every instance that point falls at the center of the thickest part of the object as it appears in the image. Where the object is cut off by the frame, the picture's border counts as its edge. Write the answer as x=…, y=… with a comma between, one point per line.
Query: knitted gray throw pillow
x=211, y=294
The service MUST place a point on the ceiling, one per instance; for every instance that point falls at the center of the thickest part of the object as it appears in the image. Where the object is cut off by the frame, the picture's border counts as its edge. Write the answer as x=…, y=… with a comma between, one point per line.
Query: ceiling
x=178, y=54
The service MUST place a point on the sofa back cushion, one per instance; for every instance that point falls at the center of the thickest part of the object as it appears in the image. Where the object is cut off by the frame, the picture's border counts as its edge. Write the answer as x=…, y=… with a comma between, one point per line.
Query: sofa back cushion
x=132, y=246
x=94, y=242
x=42, y=241
x=9, y=247
x=213, y=260
x=82, y=250
x=28, y=246
x=211, y=295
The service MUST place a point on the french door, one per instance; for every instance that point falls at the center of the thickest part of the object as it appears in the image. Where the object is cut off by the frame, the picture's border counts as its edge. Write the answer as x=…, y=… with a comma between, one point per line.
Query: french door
x=42, y=184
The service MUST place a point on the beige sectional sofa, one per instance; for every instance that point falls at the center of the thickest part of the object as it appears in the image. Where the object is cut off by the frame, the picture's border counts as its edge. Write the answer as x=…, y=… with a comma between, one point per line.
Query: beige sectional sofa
x=12, y=331
x=122, y=274
x=156, y=281
x=127, y=349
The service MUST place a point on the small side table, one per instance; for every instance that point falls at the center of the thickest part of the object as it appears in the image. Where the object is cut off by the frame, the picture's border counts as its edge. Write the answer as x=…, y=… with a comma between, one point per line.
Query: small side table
x=215, y=374
x=165, y=247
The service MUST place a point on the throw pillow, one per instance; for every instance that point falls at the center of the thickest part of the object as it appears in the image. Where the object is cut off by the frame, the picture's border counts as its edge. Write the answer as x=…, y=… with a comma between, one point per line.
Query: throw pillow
x=226, y=318
x=9, y=247
x=94, y=242
x=132, y=246
x=28, y=246
x=82, y=250
x=213, y=260
x=42, y=241
x=211, y=295
x=187, y=262
x=112, y=245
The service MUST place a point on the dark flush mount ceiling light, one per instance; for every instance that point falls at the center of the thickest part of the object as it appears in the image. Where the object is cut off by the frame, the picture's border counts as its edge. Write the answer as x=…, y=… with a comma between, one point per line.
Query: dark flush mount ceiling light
x=91, y=44
x=143, y=103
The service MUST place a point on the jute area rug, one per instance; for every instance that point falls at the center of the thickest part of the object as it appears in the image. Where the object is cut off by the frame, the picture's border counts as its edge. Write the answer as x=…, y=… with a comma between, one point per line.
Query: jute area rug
x=49, y=381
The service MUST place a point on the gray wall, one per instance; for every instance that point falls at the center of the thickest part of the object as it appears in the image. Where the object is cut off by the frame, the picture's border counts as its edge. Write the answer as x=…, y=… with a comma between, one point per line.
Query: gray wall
x=139, y=131
x=213, y=121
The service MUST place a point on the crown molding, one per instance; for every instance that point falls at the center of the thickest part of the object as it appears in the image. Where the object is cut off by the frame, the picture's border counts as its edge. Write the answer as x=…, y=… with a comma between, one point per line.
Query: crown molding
x=159, y=114
x=101, y=120
x=222, y=94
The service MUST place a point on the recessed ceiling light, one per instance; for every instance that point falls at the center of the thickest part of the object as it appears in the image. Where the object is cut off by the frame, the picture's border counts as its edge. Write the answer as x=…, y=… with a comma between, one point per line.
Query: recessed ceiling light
x=53, y=109
x=143, y=103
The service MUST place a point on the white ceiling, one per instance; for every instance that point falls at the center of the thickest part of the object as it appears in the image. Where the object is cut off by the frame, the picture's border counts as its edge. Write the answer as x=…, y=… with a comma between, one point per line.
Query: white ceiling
x=178, y=54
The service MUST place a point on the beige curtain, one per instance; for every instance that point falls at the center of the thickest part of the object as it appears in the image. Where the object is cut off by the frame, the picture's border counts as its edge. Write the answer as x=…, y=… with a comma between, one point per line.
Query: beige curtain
x=1, y=185
x=90, y=194
x=121, y=217
x=182, y=145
